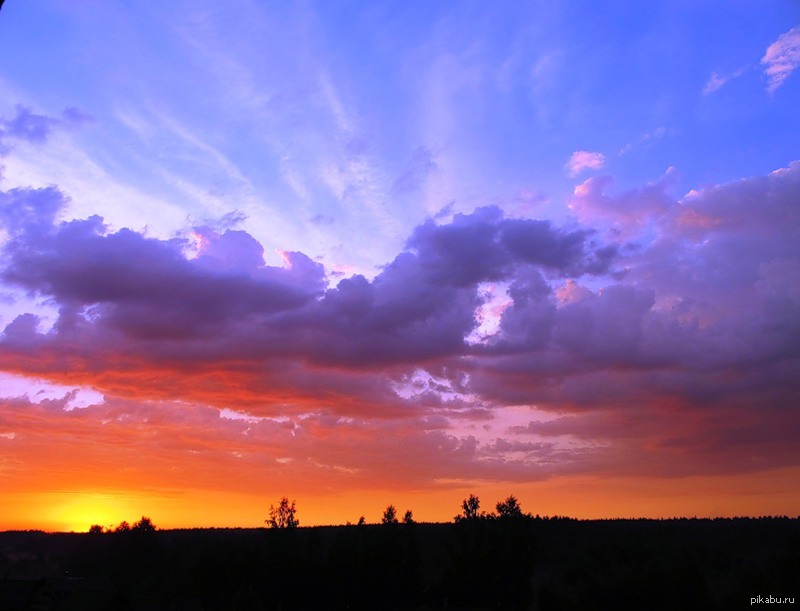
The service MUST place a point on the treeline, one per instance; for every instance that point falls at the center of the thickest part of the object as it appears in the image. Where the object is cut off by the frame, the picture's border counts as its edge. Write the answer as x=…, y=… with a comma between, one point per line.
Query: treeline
x=479, y=562
x=144, y=525
x=285, y=514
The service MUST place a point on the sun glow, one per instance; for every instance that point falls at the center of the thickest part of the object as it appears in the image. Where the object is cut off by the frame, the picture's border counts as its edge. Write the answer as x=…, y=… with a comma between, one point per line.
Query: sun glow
x=81, y=510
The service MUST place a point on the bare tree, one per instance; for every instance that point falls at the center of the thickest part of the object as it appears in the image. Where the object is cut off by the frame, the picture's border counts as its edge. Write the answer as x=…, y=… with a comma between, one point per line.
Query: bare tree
x=283, y=516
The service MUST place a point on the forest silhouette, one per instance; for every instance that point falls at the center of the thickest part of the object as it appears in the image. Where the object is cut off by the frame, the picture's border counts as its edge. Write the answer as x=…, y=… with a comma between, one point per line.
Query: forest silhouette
x=505, y=559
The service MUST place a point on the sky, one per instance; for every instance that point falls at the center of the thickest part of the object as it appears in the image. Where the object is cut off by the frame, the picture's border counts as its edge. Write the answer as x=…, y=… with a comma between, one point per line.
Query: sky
x=362, y=253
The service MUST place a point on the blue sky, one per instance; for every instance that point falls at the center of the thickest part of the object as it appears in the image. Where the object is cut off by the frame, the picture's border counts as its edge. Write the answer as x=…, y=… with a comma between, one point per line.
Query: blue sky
x=366, y=118
x=452, y=223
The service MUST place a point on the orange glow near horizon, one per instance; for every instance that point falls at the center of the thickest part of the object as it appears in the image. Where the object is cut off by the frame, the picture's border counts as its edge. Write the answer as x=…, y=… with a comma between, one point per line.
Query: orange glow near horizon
x=289, y=273
x=194, y=466
x=580, y=497
x=79, y=511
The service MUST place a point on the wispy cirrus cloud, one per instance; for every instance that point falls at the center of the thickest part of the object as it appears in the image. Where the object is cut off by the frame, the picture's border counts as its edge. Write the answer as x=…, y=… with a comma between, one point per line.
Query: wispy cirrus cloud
x=717, y=80
x=781, y=59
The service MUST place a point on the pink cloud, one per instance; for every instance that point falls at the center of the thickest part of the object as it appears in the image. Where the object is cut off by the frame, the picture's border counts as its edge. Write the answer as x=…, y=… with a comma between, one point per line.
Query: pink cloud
x=591, y=201
x=714, y=82
x=584, y=160
x=782, y=58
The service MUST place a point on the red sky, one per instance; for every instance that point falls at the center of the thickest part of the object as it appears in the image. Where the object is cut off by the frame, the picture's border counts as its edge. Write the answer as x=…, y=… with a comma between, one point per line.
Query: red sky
x=227, y=383
x=555, y=256
x=188, y=467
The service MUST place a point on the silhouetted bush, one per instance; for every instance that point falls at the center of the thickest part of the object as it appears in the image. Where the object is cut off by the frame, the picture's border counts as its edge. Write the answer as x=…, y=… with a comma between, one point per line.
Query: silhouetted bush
x=283, y=516
x=510, y=508
x=144, y=525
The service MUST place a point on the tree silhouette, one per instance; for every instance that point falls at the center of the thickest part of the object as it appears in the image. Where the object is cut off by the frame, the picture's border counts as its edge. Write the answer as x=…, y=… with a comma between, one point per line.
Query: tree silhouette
x=283, y=516
x=123, y=527
x=408, y=518
x=510, y=508
x=96, y=529
x=470, y=509
x=145, y=525
x=389, y=516
x=361, y=521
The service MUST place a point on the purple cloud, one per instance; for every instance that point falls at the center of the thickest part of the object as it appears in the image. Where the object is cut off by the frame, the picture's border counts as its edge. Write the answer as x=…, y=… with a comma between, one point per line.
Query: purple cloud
x=705, y=322
x=485, y=246
x=36, y=128
x=633, y=208
x=27, y=125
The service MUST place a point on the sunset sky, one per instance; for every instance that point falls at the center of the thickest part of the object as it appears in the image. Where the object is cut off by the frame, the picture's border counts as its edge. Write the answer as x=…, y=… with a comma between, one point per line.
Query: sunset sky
x=361, y=253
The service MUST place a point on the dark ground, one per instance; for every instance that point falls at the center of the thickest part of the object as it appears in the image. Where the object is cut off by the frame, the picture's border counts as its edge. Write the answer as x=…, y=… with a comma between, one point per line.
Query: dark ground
x=482, y=564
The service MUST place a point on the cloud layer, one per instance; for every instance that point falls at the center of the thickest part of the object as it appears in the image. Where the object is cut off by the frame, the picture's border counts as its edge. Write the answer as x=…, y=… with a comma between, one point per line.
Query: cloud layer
x=657, y=337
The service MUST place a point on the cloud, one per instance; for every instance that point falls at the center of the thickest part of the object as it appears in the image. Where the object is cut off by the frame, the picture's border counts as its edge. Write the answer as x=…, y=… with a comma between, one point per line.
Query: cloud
x=131, y=305
x=35, y=128
x=646, y=138
x=715, y=82
x=632, y=208
x=136, y=442
x=781, y=58
x=30, y=212
x=705, y=324
x=584, y=160
x=28, y=126
x=700, y=334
